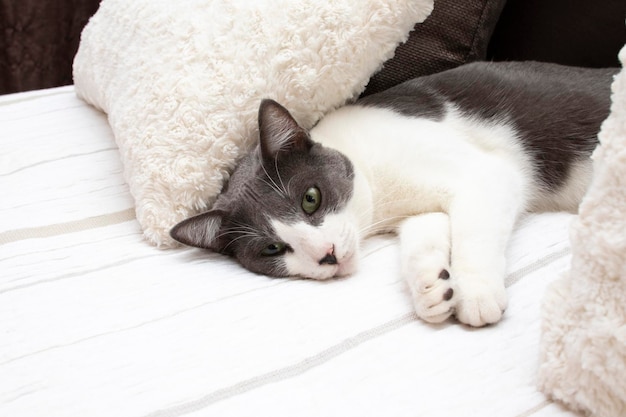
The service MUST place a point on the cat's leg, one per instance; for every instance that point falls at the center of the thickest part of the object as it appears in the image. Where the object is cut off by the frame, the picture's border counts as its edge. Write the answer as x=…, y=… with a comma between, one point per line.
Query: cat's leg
x=425, y=264
x=482, y=217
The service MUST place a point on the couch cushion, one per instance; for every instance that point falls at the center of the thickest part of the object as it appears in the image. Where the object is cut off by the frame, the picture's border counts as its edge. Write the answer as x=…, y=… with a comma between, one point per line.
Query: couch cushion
x=455, y=33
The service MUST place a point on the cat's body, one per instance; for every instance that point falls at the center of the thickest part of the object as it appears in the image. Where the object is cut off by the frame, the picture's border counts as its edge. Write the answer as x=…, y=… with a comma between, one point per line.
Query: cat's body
x=448, y=162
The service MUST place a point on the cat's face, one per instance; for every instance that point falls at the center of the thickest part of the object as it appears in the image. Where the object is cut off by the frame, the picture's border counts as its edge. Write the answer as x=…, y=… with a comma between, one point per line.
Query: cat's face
x=287, y=209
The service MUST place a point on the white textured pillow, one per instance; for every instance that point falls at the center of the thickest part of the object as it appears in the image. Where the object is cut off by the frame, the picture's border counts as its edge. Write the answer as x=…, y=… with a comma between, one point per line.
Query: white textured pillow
x=583, y=329
x=181, y=82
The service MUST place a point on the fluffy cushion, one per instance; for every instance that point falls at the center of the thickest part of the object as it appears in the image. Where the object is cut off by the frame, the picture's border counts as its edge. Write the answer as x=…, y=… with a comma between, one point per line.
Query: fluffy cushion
x=181, y=82
x=583, y=332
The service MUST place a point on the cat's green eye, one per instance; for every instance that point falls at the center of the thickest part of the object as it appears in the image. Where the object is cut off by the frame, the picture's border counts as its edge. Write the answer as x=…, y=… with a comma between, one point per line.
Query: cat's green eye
x=274, y=249
x=311, y=200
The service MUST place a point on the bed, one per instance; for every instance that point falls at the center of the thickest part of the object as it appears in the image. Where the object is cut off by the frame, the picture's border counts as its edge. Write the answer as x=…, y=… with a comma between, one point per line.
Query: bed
x=97, y=323
x=99, y=316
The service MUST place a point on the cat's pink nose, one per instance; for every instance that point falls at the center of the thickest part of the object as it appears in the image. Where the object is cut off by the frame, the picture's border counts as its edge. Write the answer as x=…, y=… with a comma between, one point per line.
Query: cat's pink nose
x=330, y=258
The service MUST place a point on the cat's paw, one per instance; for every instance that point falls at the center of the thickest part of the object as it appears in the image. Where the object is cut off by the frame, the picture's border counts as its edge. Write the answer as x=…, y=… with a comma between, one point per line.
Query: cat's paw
x=432, y=295
x=425, y=254
x=479, y=301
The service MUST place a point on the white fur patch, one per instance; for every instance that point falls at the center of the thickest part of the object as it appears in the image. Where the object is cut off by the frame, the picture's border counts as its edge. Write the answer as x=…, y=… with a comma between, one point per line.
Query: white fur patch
x=338, y=235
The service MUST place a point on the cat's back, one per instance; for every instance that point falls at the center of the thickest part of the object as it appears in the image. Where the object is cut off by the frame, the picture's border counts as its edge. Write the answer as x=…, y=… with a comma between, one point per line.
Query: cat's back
x=555, y=111
x=489, y=89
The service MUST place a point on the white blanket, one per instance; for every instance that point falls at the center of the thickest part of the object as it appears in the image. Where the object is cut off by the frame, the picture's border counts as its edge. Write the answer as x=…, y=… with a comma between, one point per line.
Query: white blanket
x=96, y=322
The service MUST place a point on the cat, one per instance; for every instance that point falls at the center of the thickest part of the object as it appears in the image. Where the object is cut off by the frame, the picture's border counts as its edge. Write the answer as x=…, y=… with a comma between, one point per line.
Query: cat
x=447, y=161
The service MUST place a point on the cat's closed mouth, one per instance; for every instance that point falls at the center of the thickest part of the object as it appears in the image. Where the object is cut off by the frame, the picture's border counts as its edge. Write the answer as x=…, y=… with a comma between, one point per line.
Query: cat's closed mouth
x=337, y=268
x=335, y=264
x=347, y=265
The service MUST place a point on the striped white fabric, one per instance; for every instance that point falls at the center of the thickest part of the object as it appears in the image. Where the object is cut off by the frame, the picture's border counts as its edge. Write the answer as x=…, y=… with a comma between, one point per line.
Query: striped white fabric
x=96, y=322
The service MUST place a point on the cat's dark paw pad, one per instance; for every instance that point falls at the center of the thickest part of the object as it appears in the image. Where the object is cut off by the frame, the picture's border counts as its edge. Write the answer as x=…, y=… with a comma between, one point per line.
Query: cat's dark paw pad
x=425, y=281
x=431, y=285
x=435, y=305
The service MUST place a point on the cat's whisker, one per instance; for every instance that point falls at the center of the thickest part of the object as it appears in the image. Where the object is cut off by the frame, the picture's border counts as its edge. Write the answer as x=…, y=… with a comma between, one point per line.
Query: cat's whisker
x=285, y=192
x=273, y=184
x=252, y=237
x=245, y=227
x=289, y=183
x=381, y=203
x=241, y=229
x=239, y=234
x=243, y=233
x=371, y=228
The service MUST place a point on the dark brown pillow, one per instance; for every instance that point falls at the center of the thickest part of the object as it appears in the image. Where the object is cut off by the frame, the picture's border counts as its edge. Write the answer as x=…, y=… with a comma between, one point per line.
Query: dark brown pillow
x=455, y=33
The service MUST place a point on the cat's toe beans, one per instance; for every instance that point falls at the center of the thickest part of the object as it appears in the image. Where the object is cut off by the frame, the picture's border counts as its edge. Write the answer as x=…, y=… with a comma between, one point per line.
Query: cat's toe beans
x=479, y=315
x=437, y=318
x=439, y=299
x=478, y=305
x=428, y=279
x=434, y=306
x=424, y=286
x=435, y=313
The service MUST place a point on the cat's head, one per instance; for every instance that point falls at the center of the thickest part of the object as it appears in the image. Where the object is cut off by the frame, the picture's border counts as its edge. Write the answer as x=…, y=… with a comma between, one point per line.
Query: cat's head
x=286, y=209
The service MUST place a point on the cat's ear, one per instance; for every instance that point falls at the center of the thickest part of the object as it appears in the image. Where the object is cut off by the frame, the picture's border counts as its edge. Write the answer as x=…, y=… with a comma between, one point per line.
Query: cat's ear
x=279, y=131
x=202, y=231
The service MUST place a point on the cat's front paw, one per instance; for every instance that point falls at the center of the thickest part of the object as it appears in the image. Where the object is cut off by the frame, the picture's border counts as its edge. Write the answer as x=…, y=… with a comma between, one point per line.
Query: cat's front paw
x=479, y=301
x=432, y=295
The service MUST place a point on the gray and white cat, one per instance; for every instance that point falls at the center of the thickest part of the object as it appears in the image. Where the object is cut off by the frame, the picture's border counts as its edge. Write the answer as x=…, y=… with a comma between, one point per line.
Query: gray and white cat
x=448, y=162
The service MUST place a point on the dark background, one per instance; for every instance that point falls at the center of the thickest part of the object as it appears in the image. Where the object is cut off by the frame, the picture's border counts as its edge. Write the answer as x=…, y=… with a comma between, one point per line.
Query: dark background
x=39, y=38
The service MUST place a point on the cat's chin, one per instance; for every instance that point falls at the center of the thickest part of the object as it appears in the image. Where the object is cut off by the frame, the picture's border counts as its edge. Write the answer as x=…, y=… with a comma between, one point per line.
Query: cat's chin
x=347, y=266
